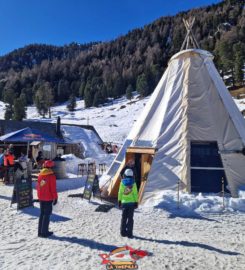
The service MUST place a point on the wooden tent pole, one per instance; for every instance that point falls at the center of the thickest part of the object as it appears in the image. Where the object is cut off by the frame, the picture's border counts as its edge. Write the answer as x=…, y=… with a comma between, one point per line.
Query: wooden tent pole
x=189, y=38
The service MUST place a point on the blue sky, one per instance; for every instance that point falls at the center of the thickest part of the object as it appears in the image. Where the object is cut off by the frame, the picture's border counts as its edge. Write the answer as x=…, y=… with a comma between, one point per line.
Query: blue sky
x=59, y=22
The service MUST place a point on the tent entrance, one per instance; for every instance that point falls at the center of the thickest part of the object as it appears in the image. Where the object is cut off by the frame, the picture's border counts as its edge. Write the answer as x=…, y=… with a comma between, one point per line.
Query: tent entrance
x=143, y=159
x=206, y=168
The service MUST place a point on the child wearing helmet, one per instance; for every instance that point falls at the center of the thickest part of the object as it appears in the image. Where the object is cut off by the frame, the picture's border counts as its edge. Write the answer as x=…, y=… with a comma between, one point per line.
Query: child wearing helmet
x=47, y=195
x=128, y=201
x=131, y=165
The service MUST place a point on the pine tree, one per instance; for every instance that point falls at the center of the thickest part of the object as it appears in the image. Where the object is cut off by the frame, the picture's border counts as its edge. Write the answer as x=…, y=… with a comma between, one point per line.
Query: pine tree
x=19, y=110
x=98, y=99
x=27, y=92
x=75, y=85
x=49, y=97
x=23, y=99
x=63, y=90
x=8, y=112
x=155, y=74
x=1, y=90
x=40, y=102
x=44, y=99
x=118, y=88
x=142, y=85
x=238, y=65
x=81, y=89
x=9, y=97
x=226, y=55
x=72, y=103
x=129, y=92
x=88, y=97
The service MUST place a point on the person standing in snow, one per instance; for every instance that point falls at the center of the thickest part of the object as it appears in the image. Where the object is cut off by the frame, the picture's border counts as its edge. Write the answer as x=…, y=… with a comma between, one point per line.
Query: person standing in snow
x=128, y=201
x=9, y=164
x=47, y=196
x=131, y=165
x=1, y=163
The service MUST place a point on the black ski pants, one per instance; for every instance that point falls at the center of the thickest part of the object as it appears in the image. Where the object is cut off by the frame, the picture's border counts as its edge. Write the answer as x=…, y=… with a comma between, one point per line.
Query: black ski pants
x=44, y=218
x=127, y=222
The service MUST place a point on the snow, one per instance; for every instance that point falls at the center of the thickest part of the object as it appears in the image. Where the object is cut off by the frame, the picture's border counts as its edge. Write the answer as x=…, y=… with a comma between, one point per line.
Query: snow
x=89, y=142
x=240, y=103
x=191, y=237
x=113, y=122
x=198, y=232
x=72, y=164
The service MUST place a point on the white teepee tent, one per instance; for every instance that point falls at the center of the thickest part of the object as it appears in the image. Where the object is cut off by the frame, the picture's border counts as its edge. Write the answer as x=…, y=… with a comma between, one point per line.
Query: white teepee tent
x=190, y=132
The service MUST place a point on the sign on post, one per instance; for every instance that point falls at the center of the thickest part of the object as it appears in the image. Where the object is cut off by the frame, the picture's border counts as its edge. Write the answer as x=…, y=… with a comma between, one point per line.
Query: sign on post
x=88, y=189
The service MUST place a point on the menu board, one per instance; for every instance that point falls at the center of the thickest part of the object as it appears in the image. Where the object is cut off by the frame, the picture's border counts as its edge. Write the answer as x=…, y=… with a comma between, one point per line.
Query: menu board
x=24, y=192
x=87, y=192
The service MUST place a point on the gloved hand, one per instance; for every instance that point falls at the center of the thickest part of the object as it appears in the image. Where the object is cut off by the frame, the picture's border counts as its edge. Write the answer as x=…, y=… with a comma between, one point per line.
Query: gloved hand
x=136, y=205
x=55, y=201
x=119, y=204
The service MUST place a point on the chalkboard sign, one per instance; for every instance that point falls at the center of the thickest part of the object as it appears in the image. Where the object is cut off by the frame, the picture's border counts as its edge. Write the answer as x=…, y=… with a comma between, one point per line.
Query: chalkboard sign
x=88, y=189
x=24, y=192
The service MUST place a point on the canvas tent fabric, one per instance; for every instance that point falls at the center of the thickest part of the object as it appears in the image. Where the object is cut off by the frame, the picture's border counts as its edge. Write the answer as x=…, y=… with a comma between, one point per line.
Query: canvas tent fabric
x=190, y=103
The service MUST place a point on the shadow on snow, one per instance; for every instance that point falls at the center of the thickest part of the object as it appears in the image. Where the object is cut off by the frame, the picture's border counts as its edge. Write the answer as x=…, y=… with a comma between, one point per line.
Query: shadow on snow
x=85, y=242
x=188, y=244
x=35, y=212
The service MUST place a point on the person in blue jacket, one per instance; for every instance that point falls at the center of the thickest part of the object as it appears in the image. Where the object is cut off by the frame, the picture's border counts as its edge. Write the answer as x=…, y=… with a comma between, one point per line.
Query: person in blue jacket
x=128, y=201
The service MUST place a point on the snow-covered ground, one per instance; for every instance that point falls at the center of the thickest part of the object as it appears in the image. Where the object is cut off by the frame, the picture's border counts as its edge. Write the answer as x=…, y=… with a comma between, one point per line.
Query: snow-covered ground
x=199, y=234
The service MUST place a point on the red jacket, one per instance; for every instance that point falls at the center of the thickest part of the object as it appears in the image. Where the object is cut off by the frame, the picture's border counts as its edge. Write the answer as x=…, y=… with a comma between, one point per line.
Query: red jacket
x=46, y=185
x=9, y=160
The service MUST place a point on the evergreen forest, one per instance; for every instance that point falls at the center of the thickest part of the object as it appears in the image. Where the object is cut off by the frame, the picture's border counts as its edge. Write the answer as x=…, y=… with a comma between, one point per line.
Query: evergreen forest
x=45, y=75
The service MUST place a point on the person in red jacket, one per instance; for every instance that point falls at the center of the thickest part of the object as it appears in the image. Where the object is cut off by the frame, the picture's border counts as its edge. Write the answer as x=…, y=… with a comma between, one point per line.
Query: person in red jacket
x=47, y=196
x=9, y=164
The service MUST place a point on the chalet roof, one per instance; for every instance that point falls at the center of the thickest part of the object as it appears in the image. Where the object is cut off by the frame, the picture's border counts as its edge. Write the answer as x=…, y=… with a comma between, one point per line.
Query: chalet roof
x=7, y=126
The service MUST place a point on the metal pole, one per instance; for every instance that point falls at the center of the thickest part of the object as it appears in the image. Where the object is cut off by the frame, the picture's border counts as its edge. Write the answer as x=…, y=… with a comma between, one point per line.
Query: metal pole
x=178, y=197
x=28, y=147
x=223, y=191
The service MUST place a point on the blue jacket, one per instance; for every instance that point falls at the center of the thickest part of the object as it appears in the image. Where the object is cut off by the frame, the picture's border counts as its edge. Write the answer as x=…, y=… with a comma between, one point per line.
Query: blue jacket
x=1, y=159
